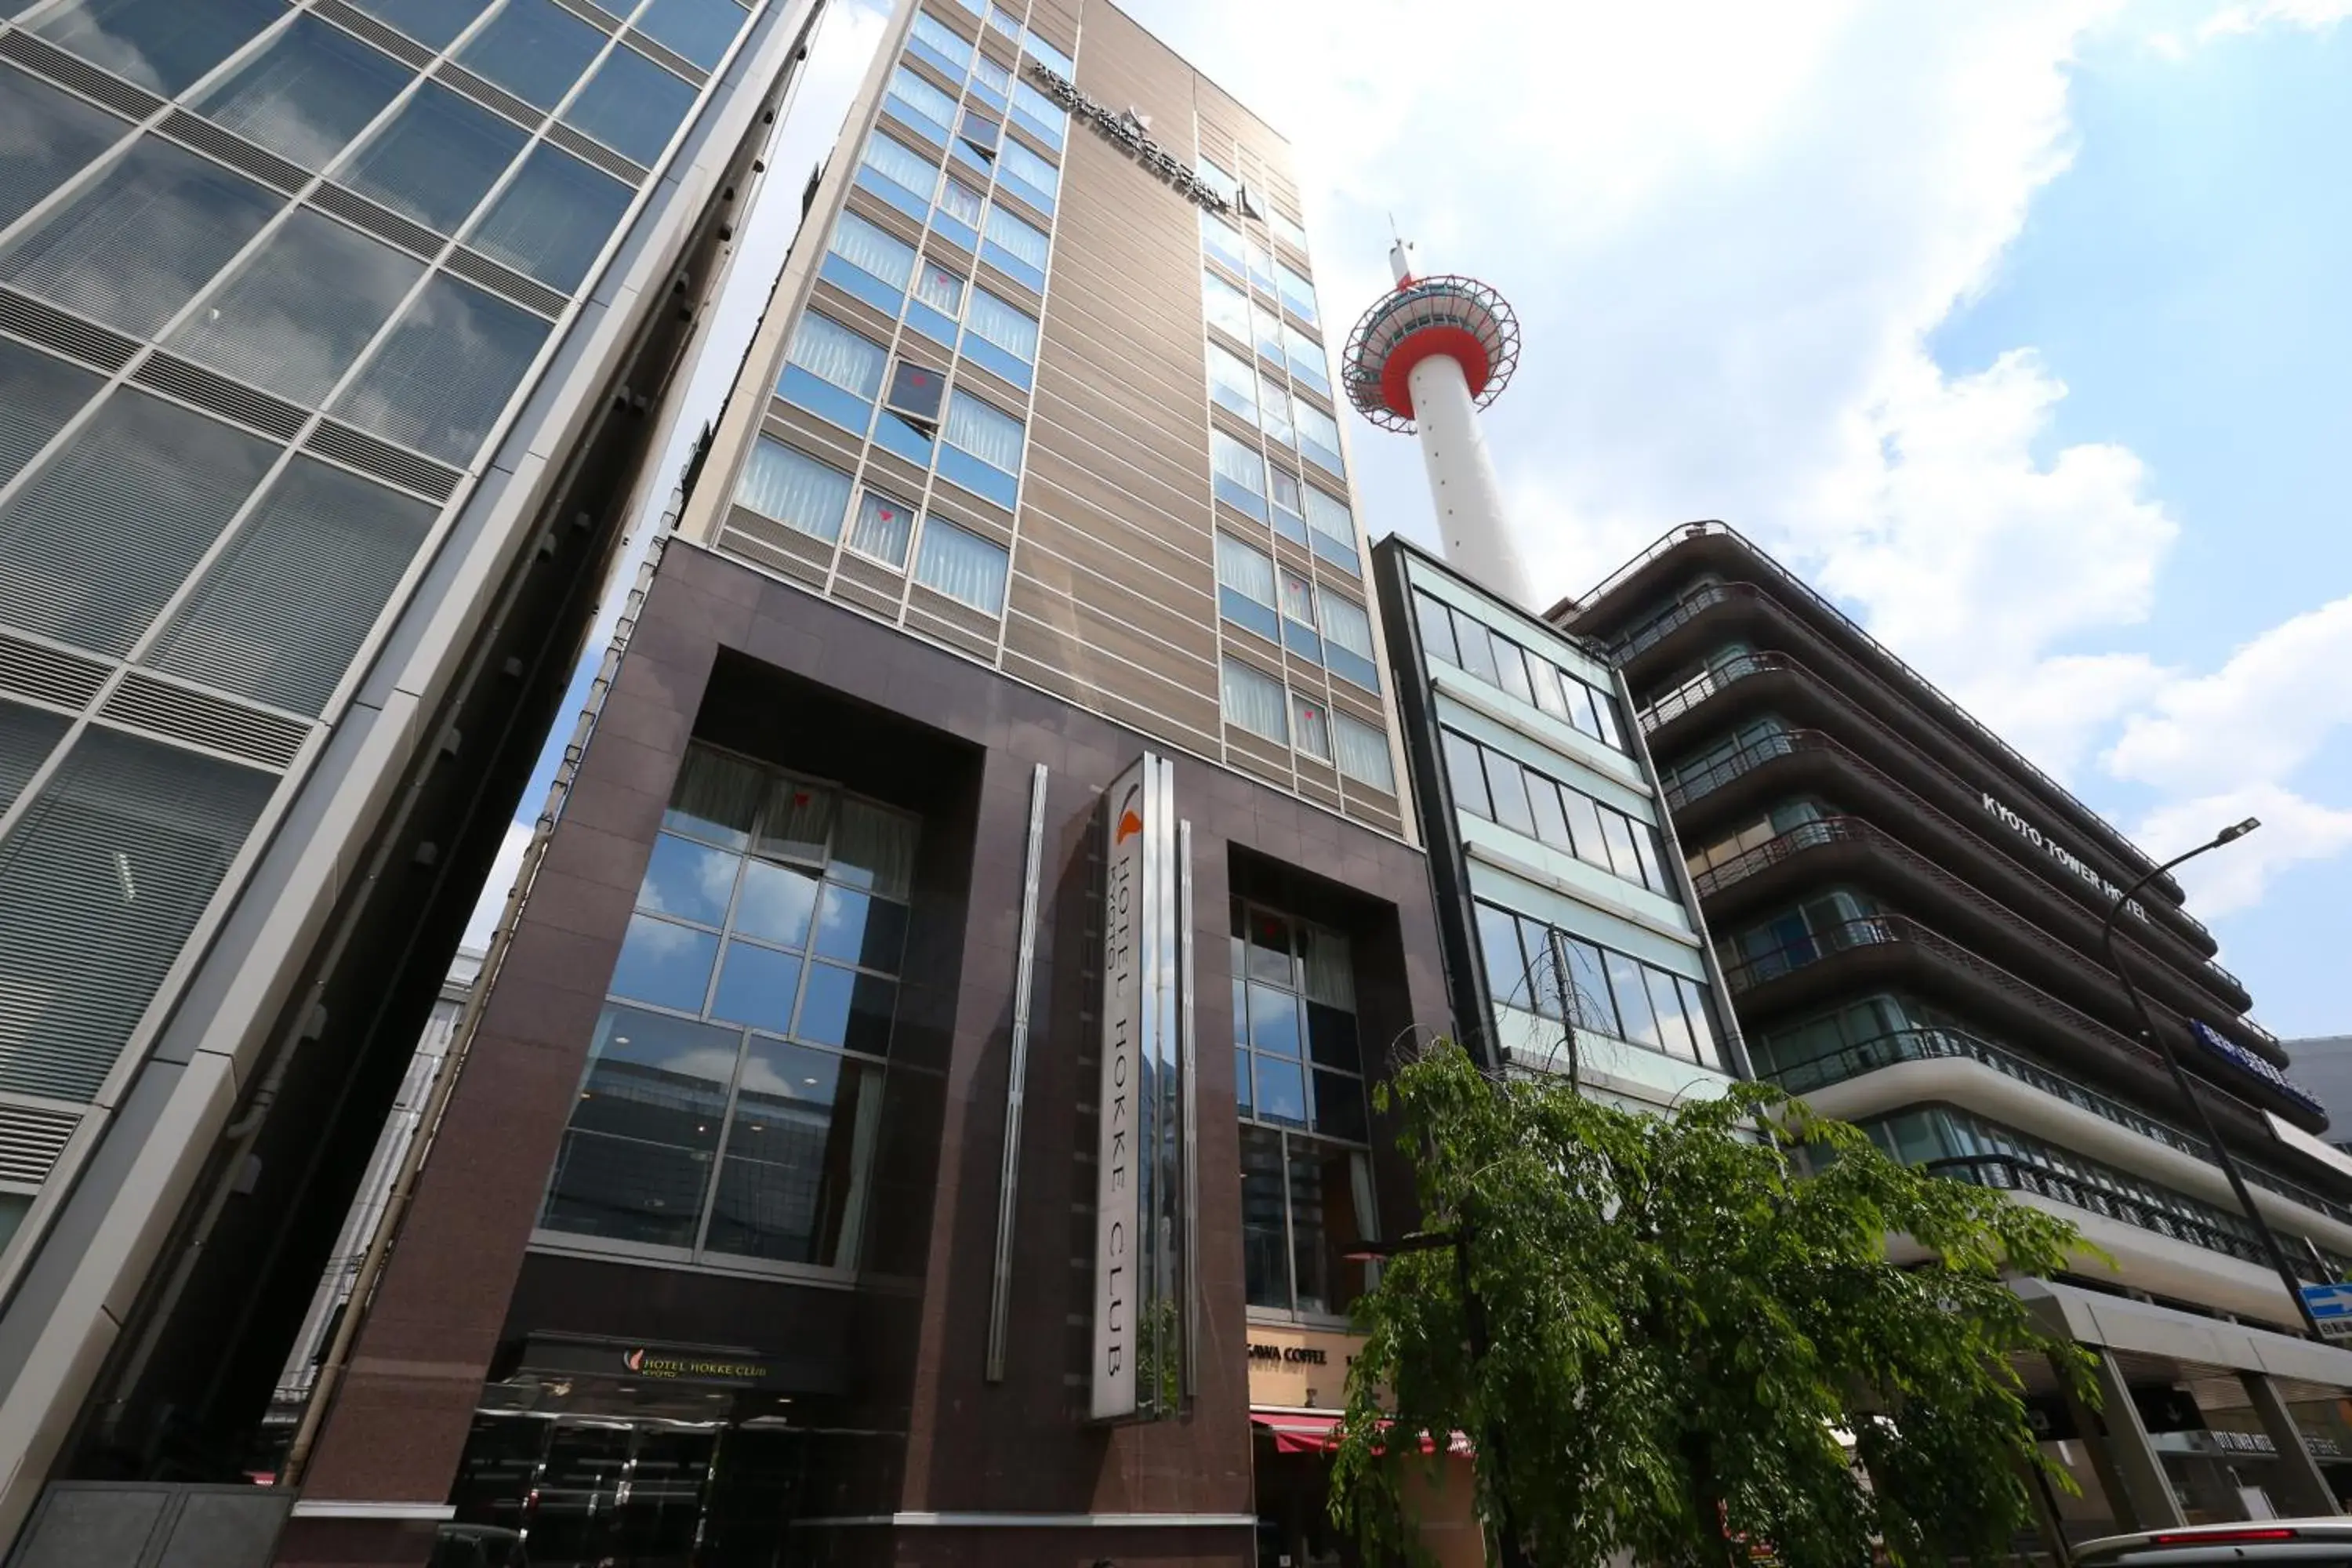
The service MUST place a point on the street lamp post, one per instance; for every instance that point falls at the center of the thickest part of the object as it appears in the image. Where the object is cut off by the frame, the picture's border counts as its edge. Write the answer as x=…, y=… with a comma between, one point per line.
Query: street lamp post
x=2163, y=1046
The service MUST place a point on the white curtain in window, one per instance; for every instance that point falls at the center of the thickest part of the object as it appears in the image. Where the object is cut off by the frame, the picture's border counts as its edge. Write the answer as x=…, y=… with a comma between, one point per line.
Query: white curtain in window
x=1345, y=623
x=798, y=822
x=1364, y=752
x=1223, y=240
x=1013, y=331
x=1253, y=701
x=1299, y=598
x=869, y=249
x=883, y=525
x=1226, y=308
x=901, y=165
x=1025, y=243
x=1316, y=426
x=875, y=847
x=928, y=101
x=939, y=289
x=989, y=74
x=993, y=438
x=1314, y=727
x=717, y=791
x=795, y=490
x=1325, y=515
x=961, y=203
x=1028, y=168
x=1037, y=106
x=942, y=38
x=962, y=565
x=831, y=351
x=1245, y=465
x=1247, y=572
x=1331, y=975
x=1266, y=328
x=1274, y=418
x=1235, y=382
x=1296, y=292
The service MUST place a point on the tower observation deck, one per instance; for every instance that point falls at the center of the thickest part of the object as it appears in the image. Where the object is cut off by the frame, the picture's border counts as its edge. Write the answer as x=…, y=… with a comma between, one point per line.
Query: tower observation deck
x=1427, y=357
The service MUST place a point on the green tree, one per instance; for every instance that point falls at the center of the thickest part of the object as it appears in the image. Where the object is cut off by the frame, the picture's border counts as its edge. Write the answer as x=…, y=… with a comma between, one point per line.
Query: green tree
x=1656, y=1329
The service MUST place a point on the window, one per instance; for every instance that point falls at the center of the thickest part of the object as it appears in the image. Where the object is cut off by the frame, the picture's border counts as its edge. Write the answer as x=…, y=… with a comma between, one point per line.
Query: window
x=1047, y=54
x=1261, y=265
x=1224, y=307
x=1287, y=228
x=961, y=203
x=1016, y=246
x=989, y=80
x=1348, y=641
x=1298, y=1073
x=445, y=372
x=162, y=45
x=1217, y=180
x=939, y=289
x=881, y=528
x=1466, y=770
x=1507, y=790
x=1283, y=490
x=1274, y=412
x=942, y=44
x=103, y=879
x=553, y=219
x=1610, y=993
x=50, y=136
x=1298, y=599
x=977, y=139
x=1253, y=701
x=1232, y=384
x=1246, y=587
x=1437, y=628
x=1265, y=331
x=698, y=29
x=1238, y=473
x=962, y=565
x=921, y=105
x=632, y=105
x=978, y=431
x=28, y=735
x=898, y=175
x=794, y=489
x=534, y=48
x=1046, y=119
x=133, y=247
x=435, y=158
x=915, y=393
x=1004, y=22
x=868, y=263
x=1297, y=293
x=1008, y=326
x=1332, y=526
x=832, y=371
x=732, y=1096
x=40, y=394
x=1306, y=359
x=1311, y=726
x=1031, y=177
x=1318, y=440
x=310, y=91
x=1364, y=754
x=1222, y=240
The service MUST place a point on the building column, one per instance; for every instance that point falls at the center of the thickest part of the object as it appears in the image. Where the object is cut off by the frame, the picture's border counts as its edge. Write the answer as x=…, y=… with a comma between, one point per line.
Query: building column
x=2129, y=1465
x=2305, y=1491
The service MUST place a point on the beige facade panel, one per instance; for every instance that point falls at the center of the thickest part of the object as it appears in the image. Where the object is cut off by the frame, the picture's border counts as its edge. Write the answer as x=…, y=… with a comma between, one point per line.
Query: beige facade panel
x=1084, y=565
x=1119, y=621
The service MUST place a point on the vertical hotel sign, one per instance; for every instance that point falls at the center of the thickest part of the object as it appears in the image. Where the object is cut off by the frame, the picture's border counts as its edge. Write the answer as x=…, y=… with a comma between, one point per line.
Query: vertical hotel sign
x=1143, y=1171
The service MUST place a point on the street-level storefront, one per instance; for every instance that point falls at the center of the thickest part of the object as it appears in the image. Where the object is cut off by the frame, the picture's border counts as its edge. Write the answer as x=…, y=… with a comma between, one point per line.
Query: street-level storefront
x=1298, y=1385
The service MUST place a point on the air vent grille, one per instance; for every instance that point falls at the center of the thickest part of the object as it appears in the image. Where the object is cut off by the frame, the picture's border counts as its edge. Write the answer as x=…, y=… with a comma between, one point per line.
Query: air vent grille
x=53, y=329
x=79, y=75
x=476, y=267
x=47, y=674
x=235, y=150
x=596, y=152
x=491, y=97
x=384, y=461
x=233, y=400
x=31, y=1139
x=381, y=222
x=177, y=713
x=596, y=16
x=669, y=59
x=393, y=44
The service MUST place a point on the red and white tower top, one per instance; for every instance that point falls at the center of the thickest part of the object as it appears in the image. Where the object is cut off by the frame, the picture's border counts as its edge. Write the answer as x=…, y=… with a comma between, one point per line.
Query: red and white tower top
x=1428, y=357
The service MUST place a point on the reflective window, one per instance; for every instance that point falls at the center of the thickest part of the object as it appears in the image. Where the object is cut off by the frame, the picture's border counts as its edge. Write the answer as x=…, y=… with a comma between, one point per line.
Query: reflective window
x=435, y=159
x=97, y=541
x=1225, y=307
x=552, y=219
x=1246, y=587
x=962, y=565
x=279, y=615
x=28, y=735
x=885, y=256
x=1305, y=356
x=915, y=176
x=445, y=373
x=306, y=95
x=947, y=46
x=963, y=203
x=1297, y=293
x=1048, y=119
x=1221, y=240
x=794, y=489
x=1232, y=384
x=939, y=289
x=131, y=248
x=534, y=48
x=1018, y=163
x=831, y=353
x=1286, y=228
x=632, y=105
x=985, y=432
x=162, y=45
x=299, y=310
x=45, y=136
x=1319, y=438
x=635, y=1162
x=38, y=395
x=698, y=29
x=1238, y=473
x=1605, y=992
x=429, y=22
x=1007, y=326
x=1047, y=54
x=924, y=106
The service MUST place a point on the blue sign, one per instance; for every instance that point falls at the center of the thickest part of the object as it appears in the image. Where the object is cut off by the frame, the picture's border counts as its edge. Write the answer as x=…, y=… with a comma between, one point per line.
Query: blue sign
x=2331, y=1308
x=2247, y=1062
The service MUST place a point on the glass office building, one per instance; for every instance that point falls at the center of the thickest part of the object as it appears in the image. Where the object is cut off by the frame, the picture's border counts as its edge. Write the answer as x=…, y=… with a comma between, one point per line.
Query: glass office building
x=330, y=333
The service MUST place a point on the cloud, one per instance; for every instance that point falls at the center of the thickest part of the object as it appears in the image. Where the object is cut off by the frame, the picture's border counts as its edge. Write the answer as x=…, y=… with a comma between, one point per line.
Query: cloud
x=492, y=903
x=2260, y=717
x=2294, y=831
x=2251, y=16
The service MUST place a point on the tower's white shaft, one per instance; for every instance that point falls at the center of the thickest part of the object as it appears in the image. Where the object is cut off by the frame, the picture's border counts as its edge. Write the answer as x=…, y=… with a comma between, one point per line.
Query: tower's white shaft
x=1462, y=482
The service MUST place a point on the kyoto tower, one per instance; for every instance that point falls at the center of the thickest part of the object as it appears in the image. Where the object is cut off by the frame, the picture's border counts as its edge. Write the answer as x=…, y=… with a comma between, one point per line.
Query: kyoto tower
x=1428, y=357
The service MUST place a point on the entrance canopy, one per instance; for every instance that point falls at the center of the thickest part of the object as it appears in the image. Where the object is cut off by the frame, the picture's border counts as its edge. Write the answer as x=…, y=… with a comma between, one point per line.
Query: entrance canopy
x=1317, y=1432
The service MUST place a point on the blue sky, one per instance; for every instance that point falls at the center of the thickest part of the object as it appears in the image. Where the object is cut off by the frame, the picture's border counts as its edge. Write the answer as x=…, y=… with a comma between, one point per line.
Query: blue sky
x=2017, y=326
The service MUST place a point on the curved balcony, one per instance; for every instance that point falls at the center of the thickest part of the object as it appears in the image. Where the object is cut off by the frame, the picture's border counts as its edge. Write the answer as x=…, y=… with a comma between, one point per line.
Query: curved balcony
x=1743, y=555
x=2064, y=956
x=1680, y=718
x=1839, y=962
x=2009, y=1174
x=1919, y=1045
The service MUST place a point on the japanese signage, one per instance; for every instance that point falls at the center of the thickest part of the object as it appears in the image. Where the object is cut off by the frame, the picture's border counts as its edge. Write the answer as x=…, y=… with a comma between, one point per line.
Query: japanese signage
x=1299, y=1369
x=1140, y=1188
x=1126, y=130
x=2058, y=852
x=2217, y=1044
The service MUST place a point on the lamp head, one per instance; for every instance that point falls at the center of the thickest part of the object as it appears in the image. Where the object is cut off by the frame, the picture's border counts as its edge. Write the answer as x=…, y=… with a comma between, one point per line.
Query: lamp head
x=2237, y=830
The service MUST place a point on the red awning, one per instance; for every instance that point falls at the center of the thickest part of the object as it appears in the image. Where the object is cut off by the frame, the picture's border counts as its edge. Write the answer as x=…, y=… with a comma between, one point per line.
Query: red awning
x=1300, y=1432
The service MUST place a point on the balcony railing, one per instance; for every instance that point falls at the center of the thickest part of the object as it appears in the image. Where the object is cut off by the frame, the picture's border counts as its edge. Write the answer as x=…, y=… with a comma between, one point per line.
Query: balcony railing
x=1659, y=627
x=2009, y=1174
x=1928, y=690
x=1946, y=1043
x=1722, y=673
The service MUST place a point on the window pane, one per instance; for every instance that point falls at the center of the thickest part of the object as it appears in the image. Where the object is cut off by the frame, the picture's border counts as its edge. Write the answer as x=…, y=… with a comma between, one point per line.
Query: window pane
x=435, y=159
x=633, y=106
x=636, y=1159
x=925, y=105
x=1232, y=384
x=1253, y=701
x=664, y=963
x=1506, y=966
x=1696, y=1012
x=916, y=390
x=1265, y=1239
x=281, y=614
x=1618, y=835
x=1040, y=113
x=952, y=45
x=794, y=489
x=534, y=48
x=446, y=373
x=163, y=44
x=1546, y=679
x=824, y=348
x=132, y=249
x=1345, y=623
x=874, y=848
x=1632, y=1001
x=939, y=289
x=962, y=565
x=859, y=929
x=777, y=904
x=796, y=1180
x=698, y=29
x=553, y=218
x=1325, y=514
x=1025, y=242
x=1247, y=571
x=842, y=1007
x=690, y=880
x=882, y=527
x=98, y=542
x=1297, y=598
x=716, y=798
x=1589, y=988
x=1314, y=1240
x=1297, y=293
x=310, y=91
x=961, y=203
x=297, y=312
x=1666, y=1002
x=1274, y=412
x=1016, y=161
x=1281, y=1090
x=1269, y=950
x=38, y=395
x=1331, y=1038
x=899, y=163
x=28, y=735
x=432, y=22
x=1312, y=727
x=1511, y=665
x=1245, y=465
x=46, y=135
x=1585, y=827
x=1054, y=59
x=1646, y=850
x=1340, y=1106
x=1274, y=1020
x=798, y=820
x=1241, y=1081
x=1507, y=786
x=1224, y=307
x=757, y=986
x=101, y=880
x=1013, y=330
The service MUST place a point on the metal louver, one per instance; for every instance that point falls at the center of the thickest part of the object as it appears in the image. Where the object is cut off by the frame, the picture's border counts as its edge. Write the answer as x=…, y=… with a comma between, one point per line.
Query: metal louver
x=476, y=267
x=31, y=1139
x=219, y=395
x=66, y=70
x=488, y=95
x=233, y=150
x=352, y=21
x=39, y=323
x=595, y=17
x=381, y=458
x=381, y=222
x=178, y=713
x=47, y=674
x=594, y=151
x=667, y=59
